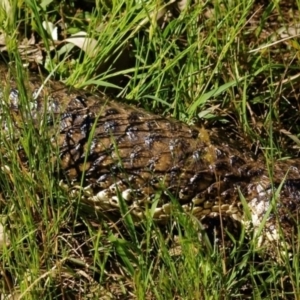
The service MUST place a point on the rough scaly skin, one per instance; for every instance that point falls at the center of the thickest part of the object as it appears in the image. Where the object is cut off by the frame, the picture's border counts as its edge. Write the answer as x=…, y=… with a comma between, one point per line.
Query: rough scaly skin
x=122, y=150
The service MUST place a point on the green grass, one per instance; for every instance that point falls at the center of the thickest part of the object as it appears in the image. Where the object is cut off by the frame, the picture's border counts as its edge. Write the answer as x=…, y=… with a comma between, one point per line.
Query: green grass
x=223, y=64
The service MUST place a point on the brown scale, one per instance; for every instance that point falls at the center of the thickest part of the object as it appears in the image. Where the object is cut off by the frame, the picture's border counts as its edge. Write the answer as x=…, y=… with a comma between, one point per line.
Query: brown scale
x=139, y=154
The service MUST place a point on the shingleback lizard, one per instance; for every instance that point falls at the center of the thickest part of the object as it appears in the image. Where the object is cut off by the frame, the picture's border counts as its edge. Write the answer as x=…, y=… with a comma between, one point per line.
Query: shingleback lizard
x=120, y=150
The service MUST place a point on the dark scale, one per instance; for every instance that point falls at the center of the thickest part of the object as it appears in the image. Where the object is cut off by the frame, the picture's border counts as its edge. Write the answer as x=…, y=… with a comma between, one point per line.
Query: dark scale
x=98, y=161
x=80, y=102
x=135, y=116
x=71, y=143
x=86, y=125
x=110, y=126
x=116, y=169
x=152, y=163
x=253, y=172
x=196, y=178
x=151, y=138
x=110, y=112
x=14, y=98
x=180, y=145
x=103, y=177
x=132, y=132
x=93, y=146
x=135, y=153
x=151, y=125
x=66, y=121
x=53, y=106
x=293, y=184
